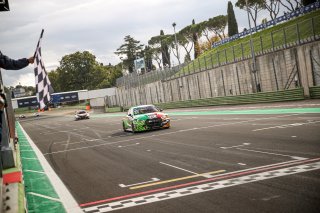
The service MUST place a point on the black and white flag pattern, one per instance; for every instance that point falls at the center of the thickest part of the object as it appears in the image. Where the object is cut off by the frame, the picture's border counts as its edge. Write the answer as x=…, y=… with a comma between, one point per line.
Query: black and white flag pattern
x=43, y=85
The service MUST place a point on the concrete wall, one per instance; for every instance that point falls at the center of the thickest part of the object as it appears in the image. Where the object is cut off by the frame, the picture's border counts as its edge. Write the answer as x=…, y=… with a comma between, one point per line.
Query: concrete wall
x=277, y=71
x=99, y=93
x=97, y=102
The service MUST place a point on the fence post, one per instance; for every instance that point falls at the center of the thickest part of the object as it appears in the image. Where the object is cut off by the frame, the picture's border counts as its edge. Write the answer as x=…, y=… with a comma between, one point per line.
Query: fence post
x=199, y=86
x=164, y=94
x=171, y=91
x=218, y=58
x=179, y=88
x=242, y=52
x=261, y=44
x=313, y=31
x=211, y=60
x=272, y=40
x=194, y=70
x=234, y=57
x=238, y=80
x=199, y=64
x=209, y=79
x=224, y=87
x=275, y=74
x=189, y=94
x=285, y=37
x=157, y=94
x=298, y=33
x=205, y=62
x=225, y=55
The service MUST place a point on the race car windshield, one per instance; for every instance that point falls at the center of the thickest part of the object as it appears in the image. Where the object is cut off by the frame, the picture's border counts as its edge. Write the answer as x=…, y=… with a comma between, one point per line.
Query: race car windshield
x=144, y=110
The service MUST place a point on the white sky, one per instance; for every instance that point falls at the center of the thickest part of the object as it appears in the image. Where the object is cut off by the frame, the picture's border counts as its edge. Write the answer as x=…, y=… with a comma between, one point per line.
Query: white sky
x=95, y=25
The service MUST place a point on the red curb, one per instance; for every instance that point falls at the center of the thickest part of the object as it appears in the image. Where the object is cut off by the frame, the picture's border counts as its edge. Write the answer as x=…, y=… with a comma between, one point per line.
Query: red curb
x=13, y=177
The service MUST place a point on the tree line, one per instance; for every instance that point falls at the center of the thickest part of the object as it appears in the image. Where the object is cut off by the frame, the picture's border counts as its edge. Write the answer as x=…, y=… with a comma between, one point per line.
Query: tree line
x=80, y=70
x=161, y=47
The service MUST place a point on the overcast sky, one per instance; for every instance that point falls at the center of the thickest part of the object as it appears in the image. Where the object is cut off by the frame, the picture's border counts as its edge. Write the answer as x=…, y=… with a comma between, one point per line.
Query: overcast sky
x=98, y=26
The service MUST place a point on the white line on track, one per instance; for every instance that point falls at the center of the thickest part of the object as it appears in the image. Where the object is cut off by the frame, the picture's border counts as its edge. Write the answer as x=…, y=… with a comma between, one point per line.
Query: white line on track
x=43, y=196
x=41, y=172
x=67, y=199
x=204, y=175
x=29, y=158
x=179, y=168
x=169, y=133
x=270, y=153
x=286, y=126
x=129, y=145
x=230, y=147
x=200, y=188
x=135, y=184
x=63, y=131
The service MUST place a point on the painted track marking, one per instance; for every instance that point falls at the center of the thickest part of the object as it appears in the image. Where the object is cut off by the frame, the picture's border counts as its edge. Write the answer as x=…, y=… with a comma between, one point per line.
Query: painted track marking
x=179, y=168
x=205, y=175
x=217, y=177
x=44, y=196
x=270, y=153
x=230, y=147
x=129, y=145
x=204, y=187
x=177, y=179
x=135, y=184
x=285, y=126
x=166, y=133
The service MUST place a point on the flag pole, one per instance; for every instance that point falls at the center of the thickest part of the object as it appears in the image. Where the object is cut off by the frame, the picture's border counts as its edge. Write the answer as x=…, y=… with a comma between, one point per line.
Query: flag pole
x=41, y=34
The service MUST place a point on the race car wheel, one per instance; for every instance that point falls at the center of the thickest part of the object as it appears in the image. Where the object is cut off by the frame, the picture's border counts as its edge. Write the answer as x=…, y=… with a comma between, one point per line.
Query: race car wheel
x=124, y=127
x=133, y=129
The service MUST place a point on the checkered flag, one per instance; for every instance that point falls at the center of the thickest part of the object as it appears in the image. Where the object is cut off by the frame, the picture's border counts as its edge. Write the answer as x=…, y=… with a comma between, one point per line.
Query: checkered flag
x=43, y=85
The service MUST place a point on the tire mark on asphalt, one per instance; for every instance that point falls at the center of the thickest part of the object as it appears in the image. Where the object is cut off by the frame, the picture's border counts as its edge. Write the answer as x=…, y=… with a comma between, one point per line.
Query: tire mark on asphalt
x=170, y=133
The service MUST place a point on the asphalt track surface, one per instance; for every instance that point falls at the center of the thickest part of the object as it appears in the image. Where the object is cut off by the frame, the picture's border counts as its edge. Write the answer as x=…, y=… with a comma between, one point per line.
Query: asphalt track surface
x=249, y=158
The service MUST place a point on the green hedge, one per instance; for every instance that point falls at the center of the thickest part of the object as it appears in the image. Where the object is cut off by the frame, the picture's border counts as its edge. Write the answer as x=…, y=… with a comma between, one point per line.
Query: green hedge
x=315, y=92
x=263, y=97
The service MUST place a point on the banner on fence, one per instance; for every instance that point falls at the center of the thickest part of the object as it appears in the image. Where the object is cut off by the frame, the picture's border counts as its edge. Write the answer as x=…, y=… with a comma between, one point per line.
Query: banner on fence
x=280, y=19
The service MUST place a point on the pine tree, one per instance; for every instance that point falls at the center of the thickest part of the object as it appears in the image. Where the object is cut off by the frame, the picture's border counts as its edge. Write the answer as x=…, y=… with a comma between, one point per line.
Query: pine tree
x=165, y=52
x=195, y=41
x=232, y=22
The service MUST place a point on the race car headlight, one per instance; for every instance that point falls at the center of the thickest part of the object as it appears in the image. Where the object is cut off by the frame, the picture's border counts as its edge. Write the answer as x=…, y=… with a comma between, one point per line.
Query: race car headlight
x=164, y=117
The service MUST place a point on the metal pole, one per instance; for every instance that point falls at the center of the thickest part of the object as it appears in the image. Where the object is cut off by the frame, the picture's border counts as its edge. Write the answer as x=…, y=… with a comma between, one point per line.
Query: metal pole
x=275, y=74
x=224, y=87
x=238, y=80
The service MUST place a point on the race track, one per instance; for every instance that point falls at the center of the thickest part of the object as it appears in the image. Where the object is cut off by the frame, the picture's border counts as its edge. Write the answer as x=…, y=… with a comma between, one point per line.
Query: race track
x=250, y=158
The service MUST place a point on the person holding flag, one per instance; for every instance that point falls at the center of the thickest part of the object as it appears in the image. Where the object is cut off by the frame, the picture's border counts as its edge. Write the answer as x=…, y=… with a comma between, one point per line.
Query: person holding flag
x=11, y=64
x=43, y=84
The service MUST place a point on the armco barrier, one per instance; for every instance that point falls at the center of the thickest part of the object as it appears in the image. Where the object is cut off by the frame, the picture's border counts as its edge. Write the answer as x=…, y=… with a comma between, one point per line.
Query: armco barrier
x=314, y=92
x=287, y=95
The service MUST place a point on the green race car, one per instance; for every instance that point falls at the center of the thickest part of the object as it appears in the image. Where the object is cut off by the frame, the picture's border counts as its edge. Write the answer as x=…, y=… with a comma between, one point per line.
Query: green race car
x=145, y=117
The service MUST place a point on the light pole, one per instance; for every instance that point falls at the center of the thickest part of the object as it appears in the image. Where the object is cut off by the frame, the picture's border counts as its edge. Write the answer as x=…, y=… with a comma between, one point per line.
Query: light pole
x=254, y=66
x=175, y=38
